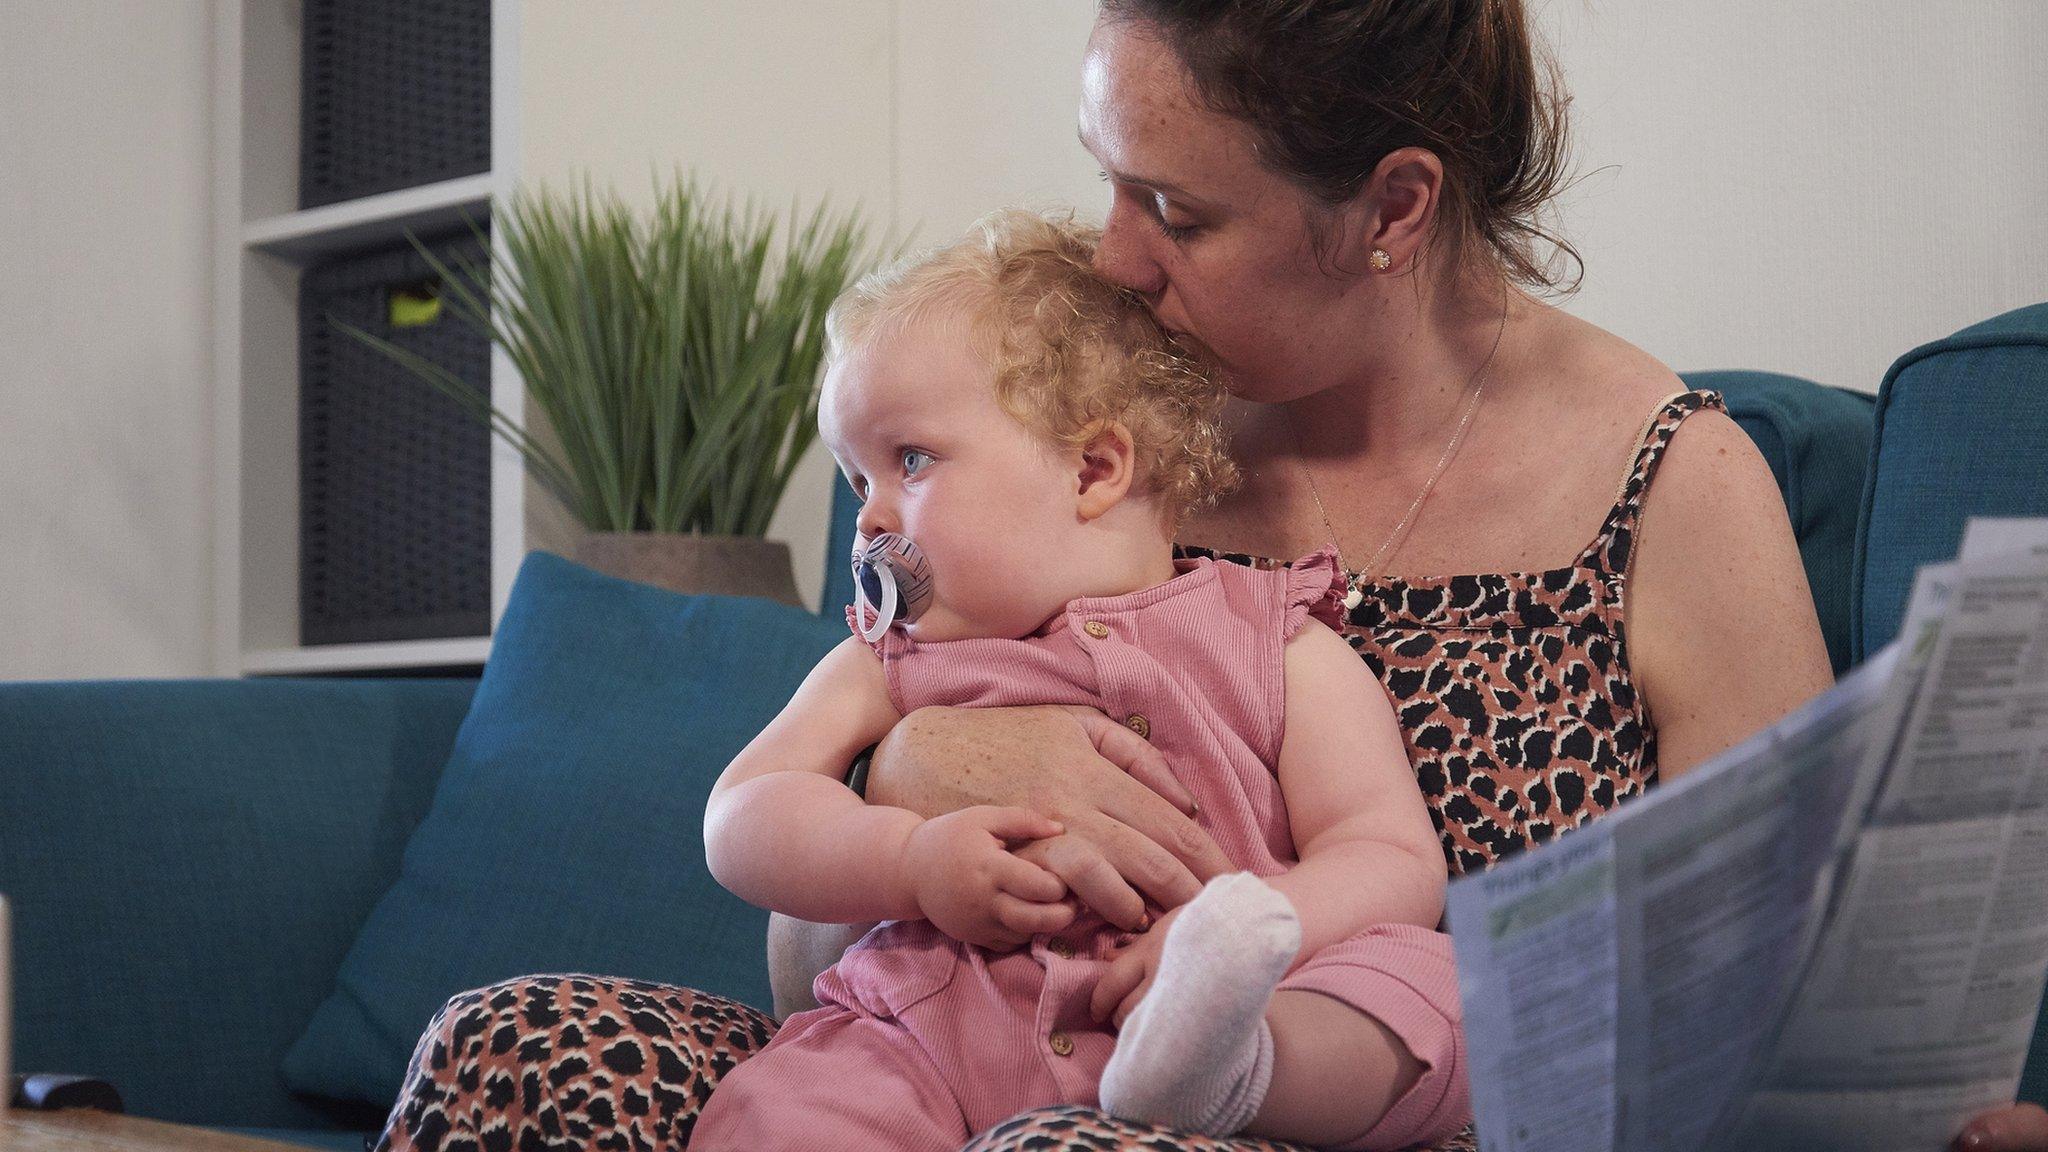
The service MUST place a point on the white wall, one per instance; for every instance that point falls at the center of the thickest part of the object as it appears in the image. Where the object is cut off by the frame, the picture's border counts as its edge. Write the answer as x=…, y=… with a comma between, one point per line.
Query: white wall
x=776, y=99
x=105, y=281
x=1811, y=188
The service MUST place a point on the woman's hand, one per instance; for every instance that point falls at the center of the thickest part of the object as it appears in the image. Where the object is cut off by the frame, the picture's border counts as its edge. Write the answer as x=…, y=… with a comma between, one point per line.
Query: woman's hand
x=969, y=885
x=2014, y=1128
x=1129, y=837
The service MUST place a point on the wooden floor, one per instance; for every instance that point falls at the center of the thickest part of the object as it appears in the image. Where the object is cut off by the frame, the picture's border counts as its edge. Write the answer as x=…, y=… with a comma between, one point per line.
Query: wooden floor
x=78, y=1130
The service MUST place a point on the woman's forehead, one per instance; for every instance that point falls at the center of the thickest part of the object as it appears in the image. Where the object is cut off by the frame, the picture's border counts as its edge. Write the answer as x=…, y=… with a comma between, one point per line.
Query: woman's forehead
x=1140, y=118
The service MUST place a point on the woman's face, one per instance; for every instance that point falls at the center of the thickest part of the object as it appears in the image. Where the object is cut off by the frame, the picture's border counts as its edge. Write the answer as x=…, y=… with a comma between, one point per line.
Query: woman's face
x=1217, y=244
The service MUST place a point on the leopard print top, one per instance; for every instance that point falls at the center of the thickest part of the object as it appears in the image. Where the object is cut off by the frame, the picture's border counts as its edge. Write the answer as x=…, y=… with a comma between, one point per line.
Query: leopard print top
x=1513, y=689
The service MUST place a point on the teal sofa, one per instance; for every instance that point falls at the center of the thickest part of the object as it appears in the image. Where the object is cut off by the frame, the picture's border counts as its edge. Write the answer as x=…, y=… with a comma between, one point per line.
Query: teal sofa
x=191, y=861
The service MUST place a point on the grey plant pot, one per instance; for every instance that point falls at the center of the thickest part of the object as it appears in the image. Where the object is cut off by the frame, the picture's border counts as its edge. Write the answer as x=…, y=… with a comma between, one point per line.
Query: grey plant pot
x=715, y=565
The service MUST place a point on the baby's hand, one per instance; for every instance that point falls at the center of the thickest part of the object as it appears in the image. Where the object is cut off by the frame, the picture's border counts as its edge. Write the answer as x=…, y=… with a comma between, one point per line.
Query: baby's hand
x=971, y=888
x=1124, y=983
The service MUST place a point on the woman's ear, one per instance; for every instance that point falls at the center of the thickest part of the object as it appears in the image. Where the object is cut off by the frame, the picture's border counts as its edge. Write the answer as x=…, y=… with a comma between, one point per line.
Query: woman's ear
x=1403, y=196
x=1108, y=468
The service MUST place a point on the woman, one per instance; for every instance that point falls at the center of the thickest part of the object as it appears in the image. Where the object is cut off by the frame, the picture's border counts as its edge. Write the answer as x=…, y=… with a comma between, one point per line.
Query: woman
x=1337, y=202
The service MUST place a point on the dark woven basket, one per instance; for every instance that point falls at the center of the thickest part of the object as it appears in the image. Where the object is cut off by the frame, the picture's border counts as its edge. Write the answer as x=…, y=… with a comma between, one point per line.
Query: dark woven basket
x=394, y=477
x=393, y=93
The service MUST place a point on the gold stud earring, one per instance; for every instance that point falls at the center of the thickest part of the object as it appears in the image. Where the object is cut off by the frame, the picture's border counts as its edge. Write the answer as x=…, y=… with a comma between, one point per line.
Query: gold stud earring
x=1380, y=260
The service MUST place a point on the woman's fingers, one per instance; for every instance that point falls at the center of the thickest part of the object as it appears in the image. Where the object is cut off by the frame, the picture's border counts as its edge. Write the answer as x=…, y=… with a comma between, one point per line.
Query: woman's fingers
x=1089, y=876
x=1014, y=824
x=1029, y=919
x=1023, y=879
x=1130, y=752
x=1143, y=864
x=1160, y=825
x=2018, y=1128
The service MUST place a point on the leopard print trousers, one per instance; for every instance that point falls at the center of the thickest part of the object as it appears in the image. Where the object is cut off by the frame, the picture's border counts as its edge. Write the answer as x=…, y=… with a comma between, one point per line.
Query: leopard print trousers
x=574, y=1062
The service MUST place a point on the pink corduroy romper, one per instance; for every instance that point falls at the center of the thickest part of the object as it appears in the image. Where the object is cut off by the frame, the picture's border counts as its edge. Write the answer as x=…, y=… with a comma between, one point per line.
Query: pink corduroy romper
x=922, y=1041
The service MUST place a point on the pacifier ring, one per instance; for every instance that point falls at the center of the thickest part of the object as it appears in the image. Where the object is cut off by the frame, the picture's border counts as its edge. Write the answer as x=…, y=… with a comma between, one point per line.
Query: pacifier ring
x=892, y=583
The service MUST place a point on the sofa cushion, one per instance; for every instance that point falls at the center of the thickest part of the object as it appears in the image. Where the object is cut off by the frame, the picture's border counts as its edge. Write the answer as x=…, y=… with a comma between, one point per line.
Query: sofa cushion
x=188, y=862
x=566, y=832
x=1962, y=431
x=1817, y=441
x=838, y=592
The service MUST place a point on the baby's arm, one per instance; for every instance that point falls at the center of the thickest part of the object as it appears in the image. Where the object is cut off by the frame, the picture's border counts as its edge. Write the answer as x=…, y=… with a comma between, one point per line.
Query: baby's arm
x=782, y=831
x=1369, y=852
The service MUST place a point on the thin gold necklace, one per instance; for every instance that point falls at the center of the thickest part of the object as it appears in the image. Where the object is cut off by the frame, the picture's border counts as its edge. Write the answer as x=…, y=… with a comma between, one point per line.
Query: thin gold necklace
x=1477, y=383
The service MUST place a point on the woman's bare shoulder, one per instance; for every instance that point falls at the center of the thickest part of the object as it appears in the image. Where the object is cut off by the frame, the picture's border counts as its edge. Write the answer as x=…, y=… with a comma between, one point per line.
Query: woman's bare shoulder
x=1590, y=375
x=1631, y=386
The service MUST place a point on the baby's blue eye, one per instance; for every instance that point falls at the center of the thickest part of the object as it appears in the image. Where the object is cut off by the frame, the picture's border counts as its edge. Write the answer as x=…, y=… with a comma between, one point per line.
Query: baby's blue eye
x=913, y=460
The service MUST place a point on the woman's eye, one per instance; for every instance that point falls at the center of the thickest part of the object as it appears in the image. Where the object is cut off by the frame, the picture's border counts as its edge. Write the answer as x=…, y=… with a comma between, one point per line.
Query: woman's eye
x=913, y=461
x=1162, y=212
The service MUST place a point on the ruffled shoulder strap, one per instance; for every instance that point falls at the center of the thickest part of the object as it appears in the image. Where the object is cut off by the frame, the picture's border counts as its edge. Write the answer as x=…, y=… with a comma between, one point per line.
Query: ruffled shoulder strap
x=853, y=623
x=1316, y=586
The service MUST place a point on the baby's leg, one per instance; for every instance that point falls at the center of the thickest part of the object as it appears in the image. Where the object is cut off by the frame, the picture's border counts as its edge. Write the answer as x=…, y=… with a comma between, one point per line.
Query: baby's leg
x=1197, y=1052
x=1358, y=1047
x=832, y=1080
x=1368, y=1045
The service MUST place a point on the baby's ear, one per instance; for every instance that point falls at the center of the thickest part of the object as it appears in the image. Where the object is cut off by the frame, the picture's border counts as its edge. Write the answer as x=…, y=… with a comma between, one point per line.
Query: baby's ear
x=1108, y=468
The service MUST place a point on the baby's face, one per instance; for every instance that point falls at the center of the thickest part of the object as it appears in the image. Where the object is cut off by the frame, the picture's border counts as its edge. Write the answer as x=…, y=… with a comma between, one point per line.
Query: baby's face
x=912, y=419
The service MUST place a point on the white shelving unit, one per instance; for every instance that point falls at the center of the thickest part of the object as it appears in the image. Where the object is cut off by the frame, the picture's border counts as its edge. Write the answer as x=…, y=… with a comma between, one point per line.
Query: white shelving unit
x=263, y=244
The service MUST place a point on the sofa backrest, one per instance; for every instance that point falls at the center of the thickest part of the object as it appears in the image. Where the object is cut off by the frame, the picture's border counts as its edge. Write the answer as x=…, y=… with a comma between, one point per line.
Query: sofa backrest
x=1962, y=430
x=1817, y=442
x=189, y=860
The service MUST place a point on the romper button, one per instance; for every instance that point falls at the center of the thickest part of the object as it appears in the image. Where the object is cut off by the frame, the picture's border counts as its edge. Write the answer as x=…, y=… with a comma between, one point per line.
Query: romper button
x=1137, y=723
x=1062, y=1044
x=1061, y=949
x=1097, y=629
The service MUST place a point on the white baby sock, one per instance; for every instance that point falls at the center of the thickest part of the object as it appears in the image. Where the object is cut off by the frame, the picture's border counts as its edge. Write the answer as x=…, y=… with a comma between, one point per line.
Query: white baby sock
x=1196, y=1053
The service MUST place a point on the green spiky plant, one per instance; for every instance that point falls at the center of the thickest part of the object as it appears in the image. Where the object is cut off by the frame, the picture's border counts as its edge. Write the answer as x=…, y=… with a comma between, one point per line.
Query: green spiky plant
x=676, y=356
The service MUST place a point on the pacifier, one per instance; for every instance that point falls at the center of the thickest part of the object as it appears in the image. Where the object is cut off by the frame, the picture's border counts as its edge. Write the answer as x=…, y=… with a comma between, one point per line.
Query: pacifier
x=891, y=580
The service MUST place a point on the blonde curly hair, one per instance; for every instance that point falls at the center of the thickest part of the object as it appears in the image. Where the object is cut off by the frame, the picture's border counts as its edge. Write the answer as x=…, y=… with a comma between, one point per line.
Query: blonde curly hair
x=1070, y=351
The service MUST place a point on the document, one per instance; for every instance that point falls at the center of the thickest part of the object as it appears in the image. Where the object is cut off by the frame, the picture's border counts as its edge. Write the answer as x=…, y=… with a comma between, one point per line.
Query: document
x=1835, y=935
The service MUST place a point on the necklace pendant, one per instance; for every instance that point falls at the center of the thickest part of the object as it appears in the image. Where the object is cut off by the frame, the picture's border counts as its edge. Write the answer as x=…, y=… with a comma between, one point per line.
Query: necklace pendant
x=1353, y=598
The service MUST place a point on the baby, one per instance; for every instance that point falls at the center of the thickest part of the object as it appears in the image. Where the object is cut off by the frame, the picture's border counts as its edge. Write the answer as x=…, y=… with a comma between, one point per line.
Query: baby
x=1026, y=440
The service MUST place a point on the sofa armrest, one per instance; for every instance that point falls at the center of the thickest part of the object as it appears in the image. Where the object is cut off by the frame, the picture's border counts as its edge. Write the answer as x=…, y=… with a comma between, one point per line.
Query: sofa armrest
x=189, y=860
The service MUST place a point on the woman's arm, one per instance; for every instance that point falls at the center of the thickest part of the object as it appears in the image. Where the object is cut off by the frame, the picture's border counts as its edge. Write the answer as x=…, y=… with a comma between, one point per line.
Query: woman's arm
x=798, y=950
x=1722, y=634
x=1129, y=834
x=1724, y=640
x=782, y=831
x=1368, y=850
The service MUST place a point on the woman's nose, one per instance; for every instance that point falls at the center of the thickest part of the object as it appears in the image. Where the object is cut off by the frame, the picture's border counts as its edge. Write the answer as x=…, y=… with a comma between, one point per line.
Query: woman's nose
x=1122, y=260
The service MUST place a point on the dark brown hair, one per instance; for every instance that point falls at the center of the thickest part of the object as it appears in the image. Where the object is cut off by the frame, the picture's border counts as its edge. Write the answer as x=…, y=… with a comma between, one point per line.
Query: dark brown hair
x=1330, y=87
